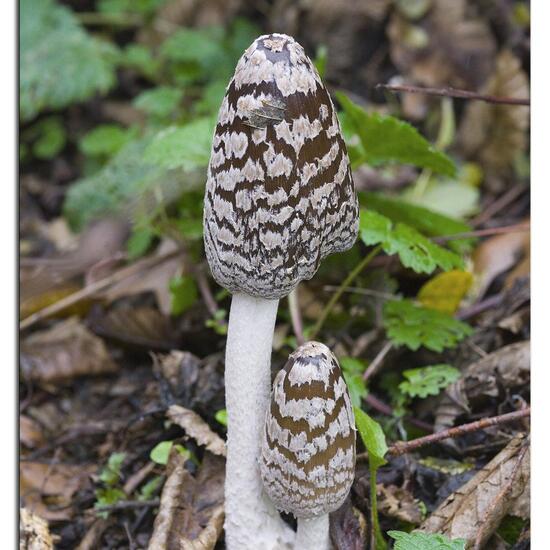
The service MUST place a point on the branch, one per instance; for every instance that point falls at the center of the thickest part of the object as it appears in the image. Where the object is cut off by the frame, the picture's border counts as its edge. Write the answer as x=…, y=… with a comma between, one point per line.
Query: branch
x=403, y=447
x=452, y=92
x=516, y=228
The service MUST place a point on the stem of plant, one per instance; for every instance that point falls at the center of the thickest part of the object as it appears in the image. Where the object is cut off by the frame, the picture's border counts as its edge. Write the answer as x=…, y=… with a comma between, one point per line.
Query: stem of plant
x=343, y=287
x=377, y=540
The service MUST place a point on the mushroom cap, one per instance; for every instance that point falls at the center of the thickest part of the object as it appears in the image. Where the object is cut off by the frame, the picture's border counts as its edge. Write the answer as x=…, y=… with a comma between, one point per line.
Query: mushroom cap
x=279, y=194
x=307, y=459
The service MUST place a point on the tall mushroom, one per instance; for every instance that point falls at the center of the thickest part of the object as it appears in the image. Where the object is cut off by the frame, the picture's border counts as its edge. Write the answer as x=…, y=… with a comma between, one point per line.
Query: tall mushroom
x=308, y=447
x=279, y=198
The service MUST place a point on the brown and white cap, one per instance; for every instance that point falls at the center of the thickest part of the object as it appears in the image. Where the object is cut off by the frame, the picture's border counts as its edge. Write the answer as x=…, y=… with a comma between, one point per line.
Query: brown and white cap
x=279, y=195
x=307, y=459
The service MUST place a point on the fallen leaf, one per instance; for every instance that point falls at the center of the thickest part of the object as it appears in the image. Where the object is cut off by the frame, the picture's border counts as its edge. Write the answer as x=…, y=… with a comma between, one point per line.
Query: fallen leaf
x=493, y=134
x=190, y=515
x=476, y=509
x=47, y=489
x=30, y=432
x=445, y=291
x=348, y=528
x=141, y=326
x=397, y=502
x=192, y=382
x=448, y=47
x=65, y=351
x=197, y=428
x=34, y=533
x=506, y=368
x=497, y=255
x=156, y=279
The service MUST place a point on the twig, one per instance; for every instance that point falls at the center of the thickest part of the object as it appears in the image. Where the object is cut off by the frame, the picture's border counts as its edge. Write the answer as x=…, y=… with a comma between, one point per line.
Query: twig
x=403, y=447
x=296, y=316
x=96, y=287
x=347, y=282
x=502, y=202
x=453, y=92
x=377, y=361
x=129, y=505
x=384, y=408
x=480, y=307
x=365, y=291
x=516, y=228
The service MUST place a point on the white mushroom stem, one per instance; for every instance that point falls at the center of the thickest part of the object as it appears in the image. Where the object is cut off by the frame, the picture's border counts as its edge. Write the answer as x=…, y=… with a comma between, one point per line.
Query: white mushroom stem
x=251, y=520
x=313, y=534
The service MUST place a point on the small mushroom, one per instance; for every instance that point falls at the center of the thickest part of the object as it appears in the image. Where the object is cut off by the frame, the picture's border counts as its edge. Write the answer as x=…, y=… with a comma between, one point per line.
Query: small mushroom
x=308, y=448
x=279, y=198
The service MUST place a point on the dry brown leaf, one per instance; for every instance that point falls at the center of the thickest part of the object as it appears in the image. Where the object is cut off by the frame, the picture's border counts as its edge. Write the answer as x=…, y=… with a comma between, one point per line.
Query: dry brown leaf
x=155, y=279
x=396, y=502
x=30, y=432
x=495, y=134
x=54, y=482
x=497, y=255
x=508, y=367
x=348, y=528
x=65, y=351
x=476, y=509
x=448, y=47
x=34, y=533
x=141, y=326
x=190, y=515
x=197, y=428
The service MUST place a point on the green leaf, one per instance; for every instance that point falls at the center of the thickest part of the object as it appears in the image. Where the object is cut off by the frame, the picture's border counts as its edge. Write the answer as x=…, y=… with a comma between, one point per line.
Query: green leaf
x=140, y=59
x=124, y=179
x=51, y=138
x=59, y=62
x=352, y=370
x=429, y=380
x=218, y=322
x=139, y=242
x=425, y=541
x=119, y=7
x=183, y=291
x=110, y=474
x=426, y=221
x=414, y=326
x=186, y=147
x=161, y=452
x=221, y=417
x=150, y=488
x=159, y=102
x=107, y=496
x=388, y=139
x=320, y=60
x=373, y=437
x=105, y=140
x=414, y=250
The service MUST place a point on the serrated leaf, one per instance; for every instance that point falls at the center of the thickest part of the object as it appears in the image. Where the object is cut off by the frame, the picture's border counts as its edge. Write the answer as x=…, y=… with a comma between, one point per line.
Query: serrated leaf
x=388, y=139
x=425, y=541
x=59, y=62
x=415, y=326
x=424, y=220
x=372, y=436
x=429, y=380
x=123, y=179
x=186, y=147
x=159, y=102
x=414, y=250
x=445, y=291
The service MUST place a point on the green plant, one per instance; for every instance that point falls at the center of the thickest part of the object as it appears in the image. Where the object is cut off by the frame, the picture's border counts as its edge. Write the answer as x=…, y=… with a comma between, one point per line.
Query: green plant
x=110, y=477
x=425, y=541
x=374, y=441
x=428, y=380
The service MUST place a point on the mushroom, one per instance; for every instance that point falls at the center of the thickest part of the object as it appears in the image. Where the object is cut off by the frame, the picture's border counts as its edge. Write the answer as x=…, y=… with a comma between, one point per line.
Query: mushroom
x=308, y=449
x=279, y=198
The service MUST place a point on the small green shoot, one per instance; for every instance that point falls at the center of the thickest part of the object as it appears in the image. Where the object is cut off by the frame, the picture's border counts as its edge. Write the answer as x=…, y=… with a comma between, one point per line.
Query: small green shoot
x=425, y=541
